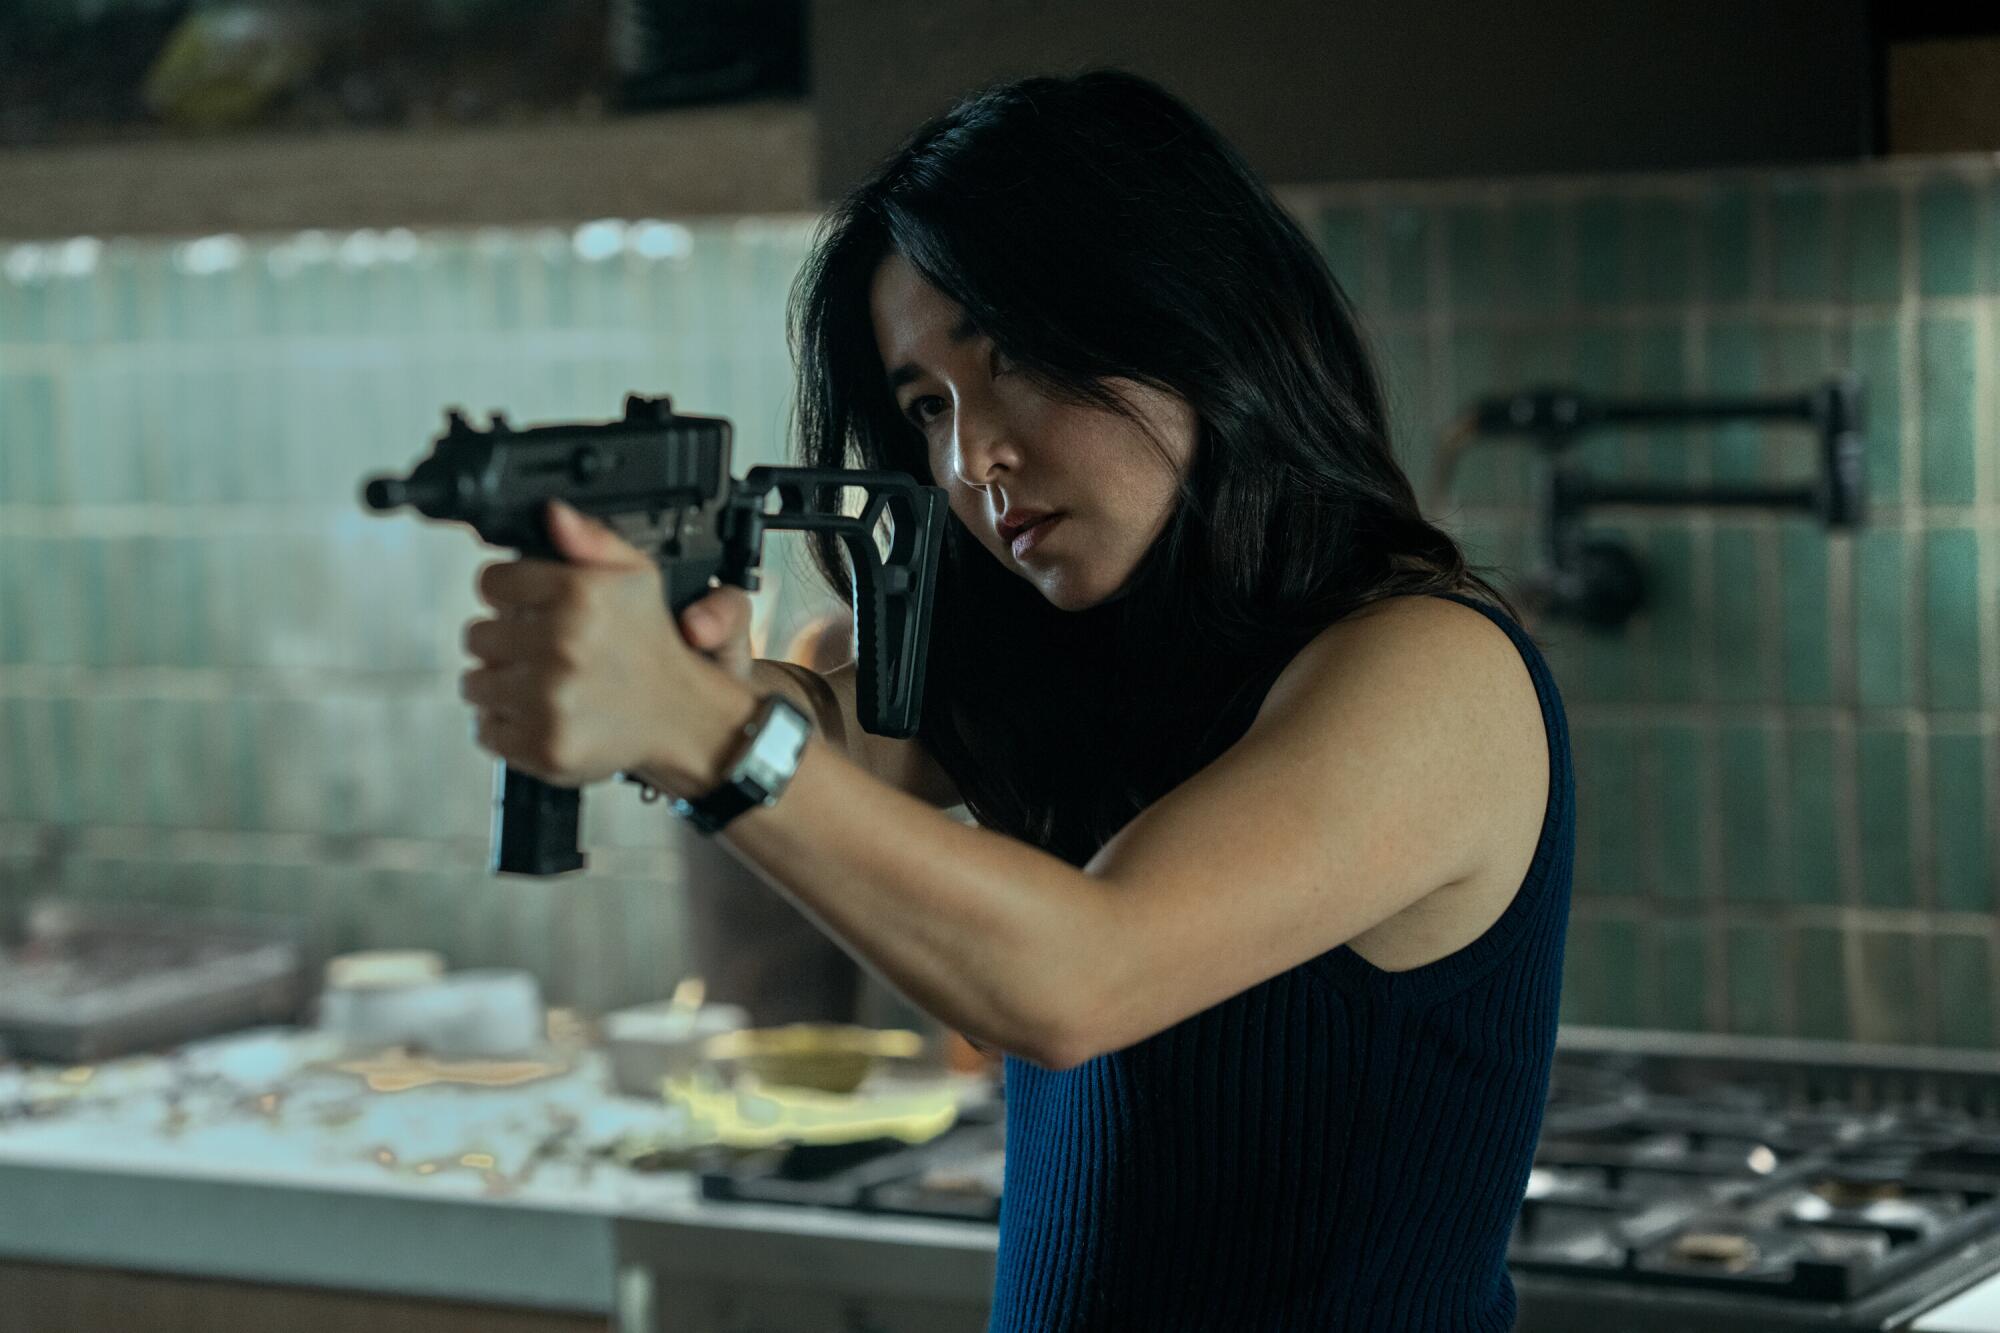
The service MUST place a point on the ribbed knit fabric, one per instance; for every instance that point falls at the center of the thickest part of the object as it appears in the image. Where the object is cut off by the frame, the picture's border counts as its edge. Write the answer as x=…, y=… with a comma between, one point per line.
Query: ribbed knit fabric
x=1338, y=1147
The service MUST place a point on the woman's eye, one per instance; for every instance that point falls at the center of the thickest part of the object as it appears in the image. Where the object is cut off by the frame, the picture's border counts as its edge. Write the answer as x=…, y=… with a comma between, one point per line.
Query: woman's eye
x=922, y=411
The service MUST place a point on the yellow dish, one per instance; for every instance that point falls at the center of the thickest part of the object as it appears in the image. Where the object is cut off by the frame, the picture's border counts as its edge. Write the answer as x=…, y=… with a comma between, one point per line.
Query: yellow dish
x=829, y=1057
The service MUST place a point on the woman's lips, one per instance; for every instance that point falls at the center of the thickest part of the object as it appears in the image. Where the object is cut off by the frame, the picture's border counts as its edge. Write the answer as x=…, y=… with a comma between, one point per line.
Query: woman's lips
x=1029, y=537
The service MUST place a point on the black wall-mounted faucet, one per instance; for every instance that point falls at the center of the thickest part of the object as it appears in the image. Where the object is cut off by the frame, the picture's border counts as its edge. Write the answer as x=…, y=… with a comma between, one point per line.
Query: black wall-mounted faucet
x=1597, y=580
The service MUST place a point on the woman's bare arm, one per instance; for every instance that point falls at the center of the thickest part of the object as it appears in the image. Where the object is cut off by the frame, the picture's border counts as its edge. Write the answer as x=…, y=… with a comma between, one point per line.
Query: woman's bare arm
x=1386, y=763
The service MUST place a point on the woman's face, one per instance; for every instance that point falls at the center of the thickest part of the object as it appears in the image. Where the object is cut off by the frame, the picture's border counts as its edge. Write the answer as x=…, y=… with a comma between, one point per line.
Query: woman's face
x=1002, y=447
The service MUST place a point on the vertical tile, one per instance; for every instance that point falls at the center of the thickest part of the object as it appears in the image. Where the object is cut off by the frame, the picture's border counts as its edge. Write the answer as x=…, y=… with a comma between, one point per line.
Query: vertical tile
x=24, y=309
x=90, y=618
x=172, y=768
x=1474, y=371
x=1617, y=944
x=1947, y=237
x=107, y=791
x=1734, y=359
x=1877, y=360
x=1470, y=256
x=1820, y=998
x=1343, y=239
x=1756, y=981
x=1727, y=244
x=1883, y=778
x=1600, y=251
x=1801, y=357
x=1874, y=244
x=1681, y=816
x=1740, y=648
x=1661, y=232
x=1747, y=835
x=33, y=465
x=1406, y=241
x=1600, y=369
x=240, y=718
x=1993, y=235
x=1963, y=966
x=1881, y=595
x=102, y=429
x=1669, y=614
x=1802, y=242
x=1805, y=630
x=16, y=592
x=1531, y=246
x=64, y=729
x=50, y=590
x=212, y=801
x=1952, y=607
x=1812, y=812
x=1946, y=370
x=1585, y=975
x=1607, y=776
x=15, y=784
x=1884, y=989
x=1661, y=354
x=1959, y=806
x=1680, y=995
x=557, y=277
x=1601, y=664
x=1540, y=356
x=1600, y=363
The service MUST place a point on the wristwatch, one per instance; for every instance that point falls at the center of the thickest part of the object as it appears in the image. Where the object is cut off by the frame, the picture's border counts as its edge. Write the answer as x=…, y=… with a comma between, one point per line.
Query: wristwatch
x=759, y=770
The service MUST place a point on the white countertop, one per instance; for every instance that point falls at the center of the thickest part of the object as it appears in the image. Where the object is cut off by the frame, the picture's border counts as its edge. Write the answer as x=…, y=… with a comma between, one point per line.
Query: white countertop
x=247, y=1157
x=1976, y=1310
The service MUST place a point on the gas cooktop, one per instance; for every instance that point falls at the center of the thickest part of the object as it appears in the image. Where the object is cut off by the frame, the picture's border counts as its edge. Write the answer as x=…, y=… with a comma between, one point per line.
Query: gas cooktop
x=1681, y=1183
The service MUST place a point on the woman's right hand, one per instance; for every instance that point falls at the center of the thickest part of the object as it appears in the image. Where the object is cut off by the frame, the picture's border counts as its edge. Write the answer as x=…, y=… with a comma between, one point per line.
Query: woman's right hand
x=718, y=624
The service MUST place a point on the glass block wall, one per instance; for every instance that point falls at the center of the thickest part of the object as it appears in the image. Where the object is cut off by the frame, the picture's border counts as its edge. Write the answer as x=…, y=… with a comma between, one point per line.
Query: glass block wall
x=223, y=685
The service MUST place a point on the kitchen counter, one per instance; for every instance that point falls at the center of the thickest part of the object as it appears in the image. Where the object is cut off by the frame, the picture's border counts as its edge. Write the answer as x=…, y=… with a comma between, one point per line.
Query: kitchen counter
x=247, y=1158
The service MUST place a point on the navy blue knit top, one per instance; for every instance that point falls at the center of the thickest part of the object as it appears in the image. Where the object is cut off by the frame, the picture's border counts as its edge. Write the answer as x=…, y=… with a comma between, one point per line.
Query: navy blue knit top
x=1338, y=1147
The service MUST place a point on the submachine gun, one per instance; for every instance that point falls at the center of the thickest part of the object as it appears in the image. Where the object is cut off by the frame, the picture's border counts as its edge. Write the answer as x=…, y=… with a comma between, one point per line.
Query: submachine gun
x=661, y=480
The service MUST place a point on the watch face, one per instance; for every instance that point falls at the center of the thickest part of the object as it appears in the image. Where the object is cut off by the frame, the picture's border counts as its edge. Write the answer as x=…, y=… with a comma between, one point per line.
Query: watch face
x=774, y=754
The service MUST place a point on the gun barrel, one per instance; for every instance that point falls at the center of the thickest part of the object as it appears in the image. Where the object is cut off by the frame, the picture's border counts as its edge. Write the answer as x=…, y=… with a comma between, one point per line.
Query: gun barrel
x=432, y=495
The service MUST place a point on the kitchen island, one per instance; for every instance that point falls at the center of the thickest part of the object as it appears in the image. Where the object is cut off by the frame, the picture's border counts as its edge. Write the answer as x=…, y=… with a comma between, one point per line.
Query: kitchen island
x=249, y=1160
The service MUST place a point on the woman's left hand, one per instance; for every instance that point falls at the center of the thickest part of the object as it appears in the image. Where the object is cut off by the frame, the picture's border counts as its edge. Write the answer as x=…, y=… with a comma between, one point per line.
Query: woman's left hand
x=584, y=673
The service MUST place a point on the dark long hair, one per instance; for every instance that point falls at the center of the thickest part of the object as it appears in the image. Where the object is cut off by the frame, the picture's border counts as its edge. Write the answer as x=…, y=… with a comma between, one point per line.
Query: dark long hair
x=1097, y=228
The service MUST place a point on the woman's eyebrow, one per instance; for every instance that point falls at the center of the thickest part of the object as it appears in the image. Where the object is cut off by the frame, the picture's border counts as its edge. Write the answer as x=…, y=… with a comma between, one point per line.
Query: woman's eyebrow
x=963, y=331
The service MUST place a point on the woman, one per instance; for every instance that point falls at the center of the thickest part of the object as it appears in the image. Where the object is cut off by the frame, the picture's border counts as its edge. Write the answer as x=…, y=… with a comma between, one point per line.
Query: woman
x=1267, y=897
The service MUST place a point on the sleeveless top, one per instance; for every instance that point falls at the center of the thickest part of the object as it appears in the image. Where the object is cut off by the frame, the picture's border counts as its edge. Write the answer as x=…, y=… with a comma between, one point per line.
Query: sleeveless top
x=1337, y=1147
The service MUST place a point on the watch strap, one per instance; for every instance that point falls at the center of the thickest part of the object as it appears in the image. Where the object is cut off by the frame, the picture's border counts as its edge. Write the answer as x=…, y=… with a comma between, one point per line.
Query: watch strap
x=711, y=811
x=741, y=789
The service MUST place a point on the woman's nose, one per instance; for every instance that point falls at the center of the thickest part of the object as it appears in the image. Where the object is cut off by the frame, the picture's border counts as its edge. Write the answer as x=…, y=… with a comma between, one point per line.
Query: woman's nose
x=980, y=442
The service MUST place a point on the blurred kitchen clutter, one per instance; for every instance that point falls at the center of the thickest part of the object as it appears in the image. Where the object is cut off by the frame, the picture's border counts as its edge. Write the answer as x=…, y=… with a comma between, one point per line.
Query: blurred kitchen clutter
x=73, y=71
x=89, y=982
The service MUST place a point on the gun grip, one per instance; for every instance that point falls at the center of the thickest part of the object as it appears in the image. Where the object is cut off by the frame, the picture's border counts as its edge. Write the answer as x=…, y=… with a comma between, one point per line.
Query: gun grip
x=534, y=825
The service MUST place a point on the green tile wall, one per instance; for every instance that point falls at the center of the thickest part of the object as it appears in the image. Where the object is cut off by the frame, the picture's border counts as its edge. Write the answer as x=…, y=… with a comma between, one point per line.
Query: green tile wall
x=1789, y=769
x=222, y=685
